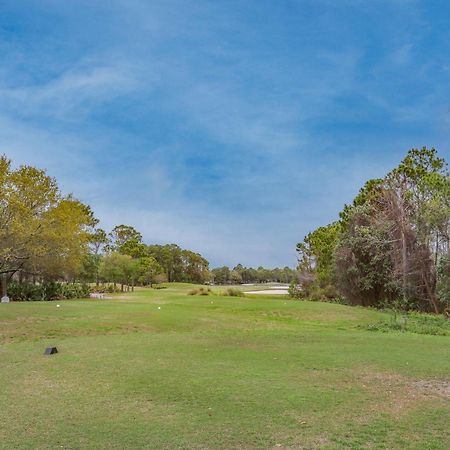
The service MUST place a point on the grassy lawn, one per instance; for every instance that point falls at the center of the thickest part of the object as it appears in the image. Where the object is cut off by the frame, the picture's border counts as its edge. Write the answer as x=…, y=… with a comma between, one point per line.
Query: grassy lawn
x=160, y=369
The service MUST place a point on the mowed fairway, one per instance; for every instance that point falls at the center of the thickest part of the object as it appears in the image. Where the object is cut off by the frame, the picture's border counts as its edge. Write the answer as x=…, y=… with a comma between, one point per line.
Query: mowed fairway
x=216, y=372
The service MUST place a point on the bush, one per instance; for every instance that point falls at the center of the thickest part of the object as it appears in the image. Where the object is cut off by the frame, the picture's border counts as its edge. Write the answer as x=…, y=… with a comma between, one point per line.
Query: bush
x=200, y=291
x=233, y=292
x=159, y=286
x=73, y=290
x=314, y=292
x=25, y=292
x=46, y=291
x=111, y=289
x=295, y=291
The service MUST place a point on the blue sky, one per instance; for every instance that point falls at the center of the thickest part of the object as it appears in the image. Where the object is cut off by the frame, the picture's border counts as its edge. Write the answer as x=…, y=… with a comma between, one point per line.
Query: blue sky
x=230, y=127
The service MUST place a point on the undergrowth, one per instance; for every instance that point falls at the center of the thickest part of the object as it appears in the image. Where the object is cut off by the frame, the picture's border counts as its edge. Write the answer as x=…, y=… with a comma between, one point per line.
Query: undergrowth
x=200, y=291
x=414, y=322
x=233, y=292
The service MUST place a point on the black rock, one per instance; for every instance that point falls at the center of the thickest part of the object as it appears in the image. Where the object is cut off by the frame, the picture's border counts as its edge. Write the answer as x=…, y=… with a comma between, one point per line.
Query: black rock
x=50, y=351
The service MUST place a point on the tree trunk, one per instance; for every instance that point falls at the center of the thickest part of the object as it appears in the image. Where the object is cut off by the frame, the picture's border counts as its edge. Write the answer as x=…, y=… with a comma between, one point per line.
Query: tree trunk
x=431, y=295
x=404, y=254
x=4, y=284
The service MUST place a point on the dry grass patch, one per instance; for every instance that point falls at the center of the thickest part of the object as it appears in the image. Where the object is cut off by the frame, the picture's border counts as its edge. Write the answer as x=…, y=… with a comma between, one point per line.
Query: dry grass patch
x=397, y=394
x=200, y=291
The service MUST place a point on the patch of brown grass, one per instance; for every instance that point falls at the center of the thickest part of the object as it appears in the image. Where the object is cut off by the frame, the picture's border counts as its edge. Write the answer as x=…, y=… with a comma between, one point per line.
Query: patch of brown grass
x=200, y=291
x=397, y=394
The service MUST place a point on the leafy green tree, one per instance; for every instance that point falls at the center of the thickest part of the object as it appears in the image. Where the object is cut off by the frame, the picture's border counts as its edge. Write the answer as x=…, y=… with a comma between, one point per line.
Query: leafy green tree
x=43, y=234
x=364, y=270
x=235, y=277
x=420, y=196
x=316, y=251
x=115, y=268
x=315, y=262
x=169, y=256
x=131, y=271
x=195, y=267
x=367, y=193
x=389, y=244
x=221, y=275
x=148, y=270
x=123, y=237
x=98, y=242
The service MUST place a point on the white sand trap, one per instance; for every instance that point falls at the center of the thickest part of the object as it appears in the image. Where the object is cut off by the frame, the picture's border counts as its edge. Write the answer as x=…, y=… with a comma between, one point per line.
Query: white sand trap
x=269, y=292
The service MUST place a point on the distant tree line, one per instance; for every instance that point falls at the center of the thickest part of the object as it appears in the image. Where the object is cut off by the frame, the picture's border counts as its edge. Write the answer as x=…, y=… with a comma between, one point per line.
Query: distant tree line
x=391, y=246
x=241, y=274
x=120, y=257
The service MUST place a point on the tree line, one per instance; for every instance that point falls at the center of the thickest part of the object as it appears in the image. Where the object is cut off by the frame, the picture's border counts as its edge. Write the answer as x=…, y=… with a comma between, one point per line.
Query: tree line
x=122, y=257
x=241, y=274
x=391, y=246
x=46, y=236
x=43, y=234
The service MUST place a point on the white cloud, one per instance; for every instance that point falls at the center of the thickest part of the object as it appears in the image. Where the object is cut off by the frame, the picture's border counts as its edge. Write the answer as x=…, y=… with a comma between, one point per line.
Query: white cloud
x=72, y=93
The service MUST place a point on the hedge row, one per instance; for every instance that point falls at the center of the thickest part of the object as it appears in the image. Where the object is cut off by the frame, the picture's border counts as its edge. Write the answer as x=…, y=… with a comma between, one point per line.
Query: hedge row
x=29, y=292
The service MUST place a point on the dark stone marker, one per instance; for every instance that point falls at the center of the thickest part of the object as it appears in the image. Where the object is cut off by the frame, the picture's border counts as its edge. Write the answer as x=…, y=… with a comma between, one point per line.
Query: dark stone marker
x=50, y=351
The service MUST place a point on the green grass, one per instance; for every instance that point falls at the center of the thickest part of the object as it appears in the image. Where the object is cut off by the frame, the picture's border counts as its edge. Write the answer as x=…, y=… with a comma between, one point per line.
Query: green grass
x=414, y=322
x=205, y=372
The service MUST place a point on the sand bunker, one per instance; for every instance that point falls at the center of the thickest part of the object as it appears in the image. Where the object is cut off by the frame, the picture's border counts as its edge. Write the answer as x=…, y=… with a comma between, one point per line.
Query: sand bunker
x=269, y=292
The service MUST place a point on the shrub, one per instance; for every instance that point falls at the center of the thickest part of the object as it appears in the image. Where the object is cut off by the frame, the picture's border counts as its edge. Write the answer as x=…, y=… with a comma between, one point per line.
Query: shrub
x=72, y=290
x=24, y=291
x=295, y=291
x=233, y=292
x=313, y=292
x=200, y=291
x=47, y=291
x=111, y=289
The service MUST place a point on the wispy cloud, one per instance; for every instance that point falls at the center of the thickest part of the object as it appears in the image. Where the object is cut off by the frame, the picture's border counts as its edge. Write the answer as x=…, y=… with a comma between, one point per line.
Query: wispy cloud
x=71, y=93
